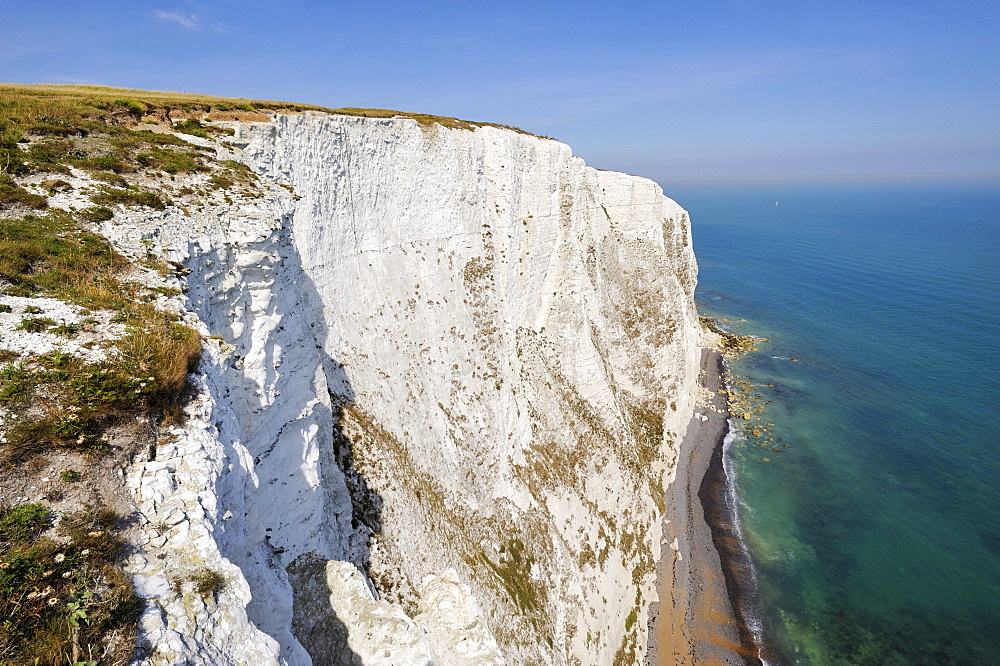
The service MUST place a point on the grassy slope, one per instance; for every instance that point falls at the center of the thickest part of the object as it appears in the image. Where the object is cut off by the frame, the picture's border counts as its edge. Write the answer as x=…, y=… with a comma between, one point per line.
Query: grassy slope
x=64, y=597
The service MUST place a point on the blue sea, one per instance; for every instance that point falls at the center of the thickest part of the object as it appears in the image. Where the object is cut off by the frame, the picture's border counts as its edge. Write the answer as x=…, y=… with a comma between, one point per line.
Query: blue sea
x=875, y=533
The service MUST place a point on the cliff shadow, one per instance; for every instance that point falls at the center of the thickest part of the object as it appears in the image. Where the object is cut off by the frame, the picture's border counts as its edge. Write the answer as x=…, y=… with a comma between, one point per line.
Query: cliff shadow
x=273, y=315
x=322, y=633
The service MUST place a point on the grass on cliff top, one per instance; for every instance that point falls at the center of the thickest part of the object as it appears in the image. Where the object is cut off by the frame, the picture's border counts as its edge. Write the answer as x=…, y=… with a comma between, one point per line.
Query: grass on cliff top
x=12, y=194
x=65, y=110
x=41, y=132
x=51, y=255
x=65, y=599
x=64, y=401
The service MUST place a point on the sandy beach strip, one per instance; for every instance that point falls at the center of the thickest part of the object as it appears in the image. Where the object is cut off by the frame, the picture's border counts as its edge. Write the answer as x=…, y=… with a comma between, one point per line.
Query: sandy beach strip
x=694, y=621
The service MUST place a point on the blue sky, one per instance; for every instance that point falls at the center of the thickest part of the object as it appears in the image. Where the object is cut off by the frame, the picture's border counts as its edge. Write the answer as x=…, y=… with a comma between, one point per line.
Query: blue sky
x=670, y=90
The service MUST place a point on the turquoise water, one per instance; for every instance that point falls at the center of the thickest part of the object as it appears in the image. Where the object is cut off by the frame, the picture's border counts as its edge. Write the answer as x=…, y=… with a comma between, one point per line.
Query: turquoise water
x=876, y=533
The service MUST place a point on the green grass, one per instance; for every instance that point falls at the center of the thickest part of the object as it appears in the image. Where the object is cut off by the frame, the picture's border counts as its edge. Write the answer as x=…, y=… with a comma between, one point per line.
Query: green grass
x=171, y=161
x=83, y=132
x=15, y=383
x=131, y=196
x=113, y=149
x=66, y=330
x=23, y=522
x=192, y=127
x=137, y=109
x=96, y=214
x=113, y=179
x=231, y=174
x=63, y=597
x=221, y=182
x=205, y=582
x=11, y=194
x=51, y=255
x=36, y=324
x=239, y=171
x=513, y=569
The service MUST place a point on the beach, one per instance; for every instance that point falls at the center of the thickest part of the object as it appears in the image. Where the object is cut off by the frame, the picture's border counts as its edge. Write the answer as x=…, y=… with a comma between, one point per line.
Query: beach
x=694, y=621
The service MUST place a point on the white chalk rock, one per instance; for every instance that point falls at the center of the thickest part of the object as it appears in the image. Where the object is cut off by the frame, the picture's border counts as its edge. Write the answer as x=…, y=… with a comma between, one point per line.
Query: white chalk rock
x=380, y=633
x=454, y=622
x=450, y=351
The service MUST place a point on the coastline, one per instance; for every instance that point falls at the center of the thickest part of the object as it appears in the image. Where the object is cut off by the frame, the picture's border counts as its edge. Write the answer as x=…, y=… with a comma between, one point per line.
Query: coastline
x=701, y=576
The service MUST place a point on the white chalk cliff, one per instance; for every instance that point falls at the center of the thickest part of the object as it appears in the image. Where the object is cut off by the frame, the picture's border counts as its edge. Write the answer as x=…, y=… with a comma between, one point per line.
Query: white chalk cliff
x=448, y=384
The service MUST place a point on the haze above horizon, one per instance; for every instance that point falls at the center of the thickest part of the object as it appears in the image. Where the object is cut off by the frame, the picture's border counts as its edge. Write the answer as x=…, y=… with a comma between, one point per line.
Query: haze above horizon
x=672, y=91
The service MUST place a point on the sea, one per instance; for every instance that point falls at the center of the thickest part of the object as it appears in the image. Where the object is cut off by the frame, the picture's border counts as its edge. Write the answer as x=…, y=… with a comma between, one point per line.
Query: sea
x=871, y=508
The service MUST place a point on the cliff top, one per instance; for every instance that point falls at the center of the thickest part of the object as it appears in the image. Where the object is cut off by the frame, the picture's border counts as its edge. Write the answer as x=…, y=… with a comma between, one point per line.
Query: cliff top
x=30, y=106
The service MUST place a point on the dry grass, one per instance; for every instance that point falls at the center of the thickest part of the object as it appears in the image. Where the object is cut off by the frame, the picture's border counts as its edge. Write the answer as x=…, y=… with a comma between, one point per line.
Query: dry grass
x=167, y=352
x=63, y=401
x=33, y=105
x=207, y=582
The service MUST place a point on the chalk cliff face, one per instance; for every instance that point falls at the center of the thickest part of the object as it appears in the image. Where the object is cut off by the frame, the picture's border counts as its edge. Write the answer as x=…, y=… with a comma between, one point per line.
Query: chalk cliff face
x=453, y=371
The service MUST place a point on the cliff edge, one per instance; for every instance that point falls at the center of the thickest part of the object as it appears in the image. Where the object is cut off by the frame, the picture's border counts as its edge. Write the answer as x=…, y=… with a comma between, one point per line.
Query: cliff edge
x=444, y=380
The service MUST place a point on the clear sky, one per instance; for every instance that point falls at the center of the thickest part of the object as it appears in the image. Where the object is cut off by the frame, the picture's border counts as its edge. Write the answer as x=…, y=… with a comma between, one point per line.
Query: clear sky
x=669, y=89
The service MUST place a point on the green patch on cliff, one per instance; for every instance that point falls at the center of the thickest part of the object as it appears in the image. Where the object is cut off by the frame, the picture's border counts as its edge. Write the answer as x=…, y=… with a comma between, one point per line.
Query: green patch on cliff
x=646, y=421
x=513, y=569
x=52, y=255
x=13, y=195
